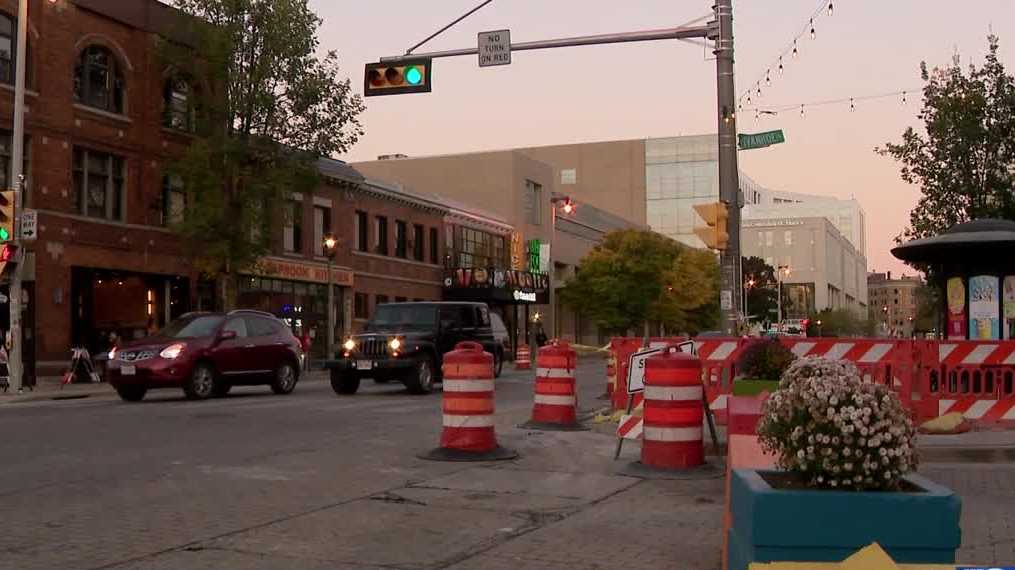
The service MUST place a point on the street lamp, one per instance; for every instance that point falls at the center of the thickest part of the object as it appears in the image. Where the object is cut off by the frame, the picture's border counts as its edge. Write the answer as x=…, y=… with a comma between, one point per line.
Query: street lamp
x=330, y=245
x=818, y=323
x=566, y=206
x=779, y=273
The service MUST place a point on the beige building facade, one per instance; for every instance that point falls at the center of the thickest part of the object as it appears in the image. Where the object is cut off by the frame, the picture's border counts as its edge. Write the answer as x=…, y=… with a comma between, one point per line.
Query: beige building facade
x=526, y=193
x=825, y=270
x=893, y=303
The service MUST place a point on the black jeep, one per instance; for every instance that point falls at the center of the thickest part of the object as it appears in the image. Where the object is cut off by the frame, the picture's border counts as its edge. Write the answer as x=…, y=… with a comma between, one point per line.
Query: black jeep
x=407, y=342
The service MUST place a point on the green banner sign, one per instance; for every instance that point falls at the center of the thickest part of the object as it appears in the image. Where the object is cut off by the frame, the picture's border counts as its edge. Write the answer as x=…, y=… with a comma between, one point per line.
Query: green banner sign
x=760, y=140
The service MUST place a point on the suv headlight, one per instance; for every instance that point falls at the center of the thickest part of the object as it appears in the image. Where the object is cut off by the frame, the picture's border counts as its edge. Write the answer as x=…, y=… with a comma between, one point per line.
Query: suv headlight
x=395, y=344
x=349, y=344
x=172, y=351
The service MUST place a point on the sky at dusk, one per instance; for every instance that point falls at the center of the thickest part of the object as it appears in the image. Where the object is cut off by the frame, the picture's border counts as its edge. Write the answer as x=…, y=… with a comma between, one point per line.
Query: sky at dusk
x=667, y=88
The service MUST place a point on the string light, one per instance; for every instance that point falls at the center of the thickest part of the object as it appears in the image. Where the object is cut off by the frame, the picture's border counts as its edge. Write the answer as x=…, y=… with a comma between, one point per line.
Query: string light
x=776, y=109
x=793, y=49
x=801, y=111
x=759, y=90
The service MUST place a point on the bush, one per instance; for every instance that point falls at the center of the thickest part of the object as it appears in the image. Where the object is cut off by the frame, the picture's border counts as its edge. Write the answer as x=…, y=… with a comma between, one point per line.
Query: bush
x=835, y=431
x=765, y=359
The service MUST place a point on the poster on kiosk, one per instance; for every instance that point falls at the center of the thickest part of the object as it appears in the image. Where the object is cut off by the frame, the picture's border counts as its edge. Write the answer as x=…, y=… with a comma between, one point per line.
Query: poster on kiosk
x=1009, y=307
x=956, y=294
x=984, y=307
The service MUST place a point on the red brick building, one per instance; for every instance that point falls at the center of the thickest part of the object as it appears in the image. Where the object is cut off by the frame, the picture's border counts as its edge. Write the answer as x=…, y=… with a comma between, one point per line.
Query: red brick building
x=103, y=119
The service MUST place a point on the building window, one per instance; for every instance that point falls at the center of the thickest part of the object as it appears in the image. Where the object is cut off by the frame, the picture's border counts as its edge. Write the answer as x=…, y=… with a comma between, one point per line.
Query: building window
x=98, y=81
x=177, y=105
x=174, y=200
x=381, y=235
x=417, y=242
x=6, y=163
x=361, y=231
x=480, y=249
x=382, y=299
x=7, y=44
x=292, y=236
x=569, y=176
x=98, y=184
x=533, y=203
x=433, y=246
x=768, y=239
x=400, y=238
x=360, y=310
x=322, y=227
x=400, y=299
x=788, y=237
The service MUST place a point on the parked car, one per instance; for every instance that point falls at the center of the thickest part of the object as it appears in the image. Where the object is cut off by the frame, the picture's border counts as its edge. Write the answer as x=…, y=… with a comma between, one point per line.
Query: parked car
x=207, y=354
x=501, y=336
x=407, y=342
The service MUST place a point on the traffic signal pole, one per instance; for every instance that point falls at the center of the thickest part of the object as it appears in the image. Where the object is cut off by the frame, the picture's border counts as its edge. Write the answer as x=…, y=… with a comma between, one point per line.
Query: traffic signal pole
x=15, y=366
x=730, y=284
x=721, y=31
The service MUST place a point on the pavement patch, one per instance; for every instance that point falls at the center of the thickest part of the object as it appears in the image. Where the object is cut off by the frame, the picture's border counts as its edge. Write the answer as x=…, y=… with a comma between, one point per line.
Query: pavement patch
x=585, y=487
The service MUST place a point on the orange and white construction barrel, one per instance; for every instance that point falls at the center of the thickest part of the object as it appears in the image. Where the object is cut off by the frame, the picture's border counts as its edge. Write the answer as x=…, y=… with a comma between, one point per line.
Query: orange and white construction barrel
x=523, y=358
x=555, y=402
x=672, y=436
x=468, y=432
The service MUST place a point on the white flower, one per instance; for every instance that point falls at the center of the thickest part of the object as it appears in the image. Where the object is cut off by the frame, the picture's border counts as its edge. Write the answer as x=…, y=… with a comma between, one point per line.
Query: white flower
x=888, y=474
x=847, y=452
x=810, y=449
x=833, y=483
x=800, y=454
x=882, y=452
x=848, y=466
x=863, y=431
x=833, y=400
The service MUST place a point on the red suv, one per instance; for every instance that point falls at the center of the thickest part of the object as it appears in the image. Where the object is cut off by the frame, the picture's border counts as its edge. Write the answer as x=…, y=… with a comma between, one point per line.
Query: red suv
x=206, y=354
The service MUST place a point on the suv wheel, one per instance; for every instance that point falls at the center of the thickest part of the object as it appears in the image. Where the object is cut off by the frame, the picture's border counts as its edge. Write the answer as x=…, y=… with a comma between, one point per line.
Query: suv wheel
x=201, y=383
x=285, y=379
x=131, y=393
x=343, y=383
x=421, y=379
x=498, y=363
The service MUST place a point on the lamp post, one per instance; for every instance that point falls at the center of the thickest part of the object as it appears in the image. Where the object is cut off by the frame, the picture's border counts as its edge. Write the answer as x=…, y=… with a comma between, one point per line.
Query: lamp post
x=15, y=366
x=567, y=207
x=818, y=323
x=779, y=273
x=330, y=245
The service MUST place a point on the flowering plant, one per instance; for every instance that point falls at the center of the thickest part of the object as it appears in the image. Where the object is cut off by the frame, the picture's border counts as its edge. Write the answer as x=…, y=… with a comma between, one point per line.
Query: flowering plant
x=836, y=431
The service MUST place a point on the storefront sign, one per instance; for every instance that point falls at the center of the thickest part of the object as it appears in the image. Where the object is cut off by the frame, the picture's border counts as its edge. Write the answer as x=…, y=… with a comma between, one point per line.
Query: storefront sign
x=503, y=285
x=956, y=293
x=523, y=296
x=1009, y=307
x=534, y=252
x=984, y=296
x=517, y=251
x=297, y=271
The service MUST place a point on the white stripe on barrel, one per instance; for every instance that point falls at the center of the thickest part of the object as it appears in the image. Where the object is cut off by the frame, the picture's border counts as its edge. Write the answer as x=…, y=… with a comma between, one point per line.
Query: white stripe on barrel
x=468, y=385
x=456, y=421
x=554, y=373
x=556, y=400
x=672, y=433
x=673, y=392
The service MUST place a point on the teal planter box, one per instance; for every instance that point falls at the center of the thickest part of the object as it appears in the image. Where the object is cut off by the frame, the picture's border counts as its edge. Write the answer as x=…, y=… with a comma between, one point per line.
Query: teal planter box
x=751, y=387
x=777, y=525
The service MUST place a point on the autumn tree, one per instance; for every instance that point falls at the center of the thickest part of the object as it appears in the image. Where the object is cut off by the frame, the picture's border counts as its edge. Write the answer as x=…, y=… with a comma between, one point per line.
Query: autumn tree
x=963, y=159
x=265, y=107
x=635, y=277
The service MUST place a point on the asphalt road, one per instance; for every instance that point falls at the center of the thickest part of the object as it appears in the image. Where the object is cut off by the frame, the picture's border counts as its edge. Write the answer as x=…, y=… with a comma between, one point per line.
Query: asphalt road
x=255, y=480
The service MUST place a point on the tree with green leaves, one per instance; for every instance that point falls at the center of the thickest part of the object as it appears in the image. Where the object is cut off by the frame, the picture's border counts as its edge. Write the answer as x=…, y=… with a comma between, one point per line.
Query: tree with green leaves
x=963, y=160
x=839, y=323
x=265, y=108
x=636, y=277
x=761, y=289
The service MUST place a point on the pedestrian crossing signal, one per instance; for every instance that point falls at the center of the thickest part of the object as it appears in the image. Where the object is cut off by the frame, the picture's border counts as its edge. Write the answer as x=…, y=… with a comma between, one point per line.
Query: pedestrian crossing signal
x=403, y=76
x=8, y=254
x=6, y=216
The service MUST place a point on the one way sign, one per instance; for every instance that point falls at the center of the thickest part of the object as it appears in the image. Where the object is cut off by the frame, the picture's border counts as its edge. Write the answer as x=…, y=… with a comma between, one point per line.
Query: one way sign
x=29, y=224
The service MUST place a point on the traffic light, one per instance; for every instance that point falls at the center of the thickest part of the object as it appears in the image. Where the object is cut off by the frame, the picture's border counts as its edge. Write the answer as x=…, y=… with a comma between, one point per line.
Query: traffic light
x=394, y=78
x=7, y=214
x=716, y=216
x=8, y=254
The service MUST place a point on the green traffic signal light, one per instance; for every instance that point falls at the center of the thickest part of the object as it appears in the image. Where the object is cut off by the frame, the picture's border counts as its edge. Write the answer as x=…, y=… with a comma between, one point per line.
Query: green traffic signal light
x=4, y=234
x=413, y=76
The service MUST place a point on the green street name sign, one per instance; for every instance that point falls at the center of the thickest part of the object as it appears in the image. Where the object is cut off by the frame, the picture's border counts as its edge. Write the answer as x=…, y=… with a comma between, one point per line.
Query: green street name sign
x=760, y=140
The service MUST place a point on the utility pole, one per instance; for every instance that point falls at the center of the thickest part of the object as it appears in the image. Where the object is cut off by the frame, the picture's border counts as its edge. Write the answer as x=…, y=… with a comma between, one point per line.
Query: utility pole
x=15, y=361
x=730, y=285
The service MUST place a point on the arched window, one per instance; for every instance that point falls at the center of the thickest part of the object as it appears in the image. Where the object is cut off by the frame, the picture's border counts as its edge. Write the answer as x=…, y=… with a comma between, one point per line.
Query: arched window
x=178, y=104
x=98, y=81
